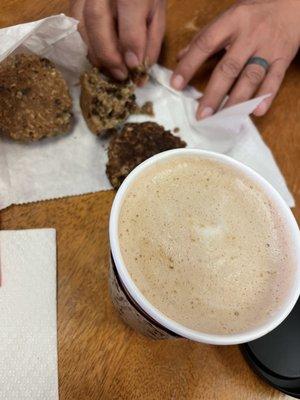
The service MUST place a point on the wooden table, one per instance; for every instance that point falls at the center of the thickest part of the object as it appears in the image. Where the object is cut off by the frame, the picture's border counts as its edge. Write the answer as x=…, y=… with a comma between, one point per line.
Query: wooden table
x=99, y=357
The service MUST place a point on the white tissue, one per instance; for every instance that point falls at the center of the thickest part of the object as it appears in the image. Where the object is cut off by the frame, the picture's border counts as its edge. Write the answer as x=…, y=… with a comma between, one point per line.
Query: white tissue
x=75, y=163
x=230, y=131
x=28, y=338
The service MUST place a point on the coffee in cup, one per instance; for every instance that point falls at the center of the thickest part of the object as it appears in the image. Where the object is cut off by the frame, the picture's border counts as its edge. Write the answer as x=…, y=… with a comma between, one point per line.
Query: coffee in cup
x=206, y=245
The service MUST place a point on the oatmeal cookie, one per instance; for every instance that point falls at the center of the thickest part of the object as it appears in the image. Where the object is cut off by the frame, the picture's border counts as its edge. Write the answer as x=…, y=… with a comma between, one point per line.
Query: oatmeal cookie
x=34, y=99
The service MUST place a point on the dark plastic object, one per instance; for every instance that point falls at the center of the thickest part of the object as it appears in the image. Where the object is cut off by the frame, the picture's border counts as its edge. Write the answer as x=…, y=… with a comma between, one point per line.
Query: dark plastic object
x=276, y=356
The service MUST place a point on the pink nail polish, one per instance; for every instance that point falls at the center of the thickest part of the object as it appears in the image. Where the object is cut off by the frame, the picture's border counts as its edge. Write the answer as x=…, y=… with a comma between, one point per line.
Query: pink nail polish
x=131, y=60
x=177, y=82
x=206, y=112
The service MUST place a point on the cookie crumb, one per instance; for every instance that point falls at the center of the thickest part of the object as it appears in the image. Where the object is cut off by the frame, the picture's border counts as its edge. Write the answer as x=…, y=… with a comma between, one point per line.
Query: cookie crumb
x=139, y=75
x=146, y=108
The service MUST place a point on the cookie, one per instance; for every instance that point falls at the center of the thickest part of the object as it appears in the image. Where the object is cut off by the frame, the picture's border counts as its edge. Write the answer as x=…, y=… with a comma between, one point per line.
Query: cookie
x=105, y=103
x=136, y=143
x=34, y=99
x=139, y=75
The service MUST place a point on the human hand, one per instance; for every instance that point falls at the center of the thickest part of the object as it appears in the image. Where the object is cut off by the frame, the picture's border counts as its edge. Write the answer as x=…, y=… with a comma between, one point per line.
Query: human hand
x=121, y=34
x=268, y=29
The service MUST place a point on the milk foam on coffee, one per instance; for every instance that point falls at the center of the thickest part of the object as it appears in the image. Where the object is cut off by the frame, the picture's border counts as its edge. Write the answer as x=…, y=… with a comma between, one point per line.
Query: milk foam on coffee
x=204, y=245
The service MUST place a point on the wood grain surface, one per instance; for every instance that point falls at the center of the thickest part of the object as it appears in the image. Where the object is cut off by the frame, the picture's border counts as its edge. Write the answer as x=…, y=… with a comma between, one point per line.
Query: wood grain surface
x=99, y=357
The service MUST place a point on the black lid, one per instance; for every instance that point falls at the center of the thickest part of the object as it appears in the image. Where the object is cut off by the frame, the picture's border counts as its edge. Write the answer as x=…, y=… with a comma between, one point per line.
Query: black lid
x=276, y=356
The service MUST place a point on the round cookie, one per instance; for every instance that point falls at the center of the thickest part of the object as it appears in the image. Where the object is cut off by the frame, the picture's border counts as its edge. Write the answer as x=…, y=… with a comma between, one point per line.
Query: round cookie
x=34, y=99
x=136, y=143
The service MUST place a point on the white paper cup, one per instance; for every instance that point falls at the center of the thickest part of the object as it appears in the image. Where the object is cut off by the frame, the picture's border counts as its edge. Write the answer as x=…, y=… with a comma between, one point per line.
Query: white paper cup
x=138, y=312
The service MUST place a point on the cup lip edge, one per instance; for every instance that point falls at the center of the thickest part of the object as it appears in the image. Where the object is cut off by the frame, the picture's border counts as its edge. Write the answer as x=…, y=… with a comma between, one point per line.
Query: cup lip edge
x=229, y=339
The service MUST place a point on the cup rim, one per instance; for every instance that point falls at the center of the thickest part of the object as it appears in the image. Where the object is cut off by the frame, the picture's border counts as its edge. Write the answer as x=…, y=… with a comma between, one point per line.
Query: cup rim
x=179, y=329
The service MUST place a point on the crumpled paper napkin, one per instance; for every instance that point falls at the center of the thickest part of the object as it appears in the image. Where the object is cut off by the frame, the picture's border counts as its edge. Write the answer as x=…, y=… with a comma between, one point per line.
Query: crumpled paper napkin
x=28, y=332
x=75, y=163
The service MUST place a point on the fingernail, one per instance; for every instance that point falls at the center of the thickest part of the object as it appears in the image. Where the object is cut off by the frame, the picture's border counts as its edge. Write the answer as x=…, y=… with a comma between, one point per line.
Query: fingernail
x=177, y=82
x=261, y=109
x=131, y=60
x=147, y=62
x=119, y=74
x=206, y=112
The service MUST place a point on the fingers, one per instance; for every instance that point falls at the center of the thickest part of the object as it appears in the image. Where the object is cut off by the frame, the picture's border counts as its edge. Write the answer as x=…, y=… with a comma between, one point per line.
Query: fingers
x=271, y=85
x=100, y=28
x=141, y=26
x=222, y=79
x=76, y=11
x=248, y=83
x=243, y=31
x=205, y=44
x=156, y=30
x=132, y=26
x=182, y=52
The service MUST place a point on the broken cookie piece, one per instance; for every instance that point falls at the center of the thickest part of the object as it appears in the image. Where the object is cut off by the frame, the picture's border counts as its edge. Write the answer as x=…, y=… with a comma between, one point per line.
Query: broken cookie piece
x=139, y=75
x=146, y=109
x=105, y=103
x=136, y=143
x=34, y=99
